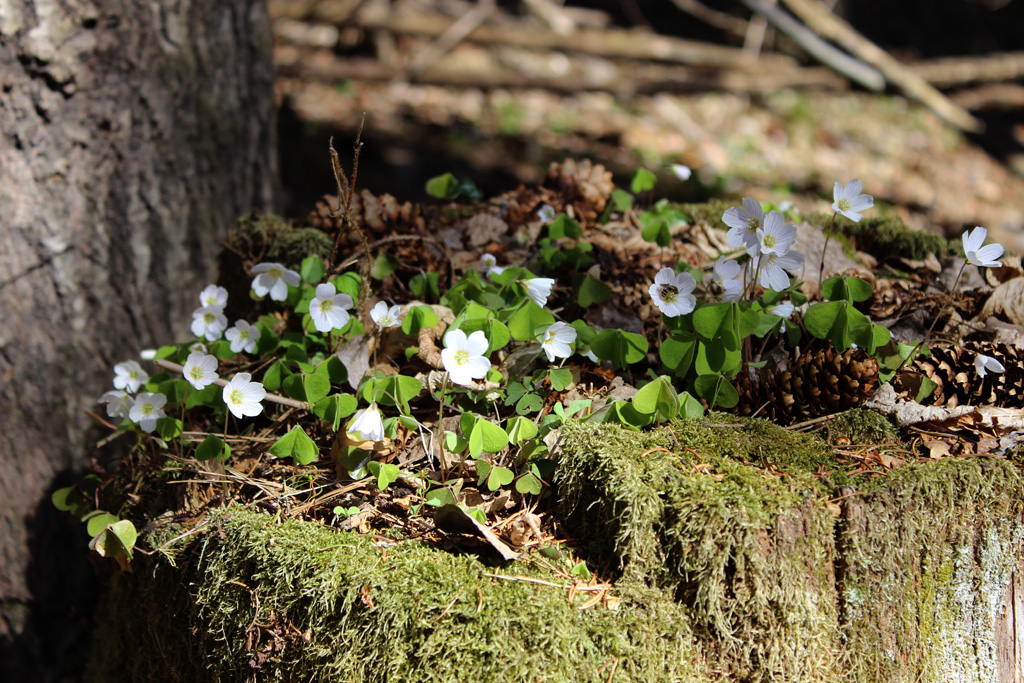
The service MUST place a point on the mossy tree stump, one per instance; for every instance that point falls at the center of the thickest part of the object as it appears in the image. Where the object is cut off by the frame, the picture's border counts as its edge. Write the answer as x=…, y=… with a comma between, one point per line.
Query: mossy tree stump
x=739, y=552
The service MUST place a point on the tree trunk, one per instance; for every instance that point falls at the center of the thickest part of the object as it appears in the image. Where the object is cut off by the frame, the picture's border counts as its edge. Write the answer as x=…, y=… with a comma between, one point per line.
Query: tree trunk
x=134, y=133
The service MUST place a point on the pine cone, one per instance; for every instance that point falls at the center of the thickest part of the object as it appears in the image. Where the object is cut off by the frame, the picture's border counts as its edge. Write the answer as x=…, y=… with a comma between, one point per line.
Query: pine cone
x=815, y=384
x=584, y=185
x=959, y=383
x=379, y=216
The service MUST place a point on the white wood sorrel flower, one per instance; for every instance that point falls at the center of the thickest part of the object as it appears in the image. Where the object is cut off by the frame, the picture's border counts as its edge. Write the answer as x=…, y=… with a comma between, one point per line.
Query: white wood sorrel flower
x=327, y=309
x=672, y=293
x=724, y=275
x=129, y=376
x=978, y=255
x=273, y=278
x=209, y=322
x=777, y=236
x=384, y=316
x=200, y=369
x=489, y=265
x=744, y=223
x=465, y=357
x=985, y=364
x=213, y=296
x=556, y=340
x=538, y=289
x=243, y=396
x=118, y=403
x=368, y=424
x=771, y=268
x=243, y=337
x=848, y=200
x=147, y=409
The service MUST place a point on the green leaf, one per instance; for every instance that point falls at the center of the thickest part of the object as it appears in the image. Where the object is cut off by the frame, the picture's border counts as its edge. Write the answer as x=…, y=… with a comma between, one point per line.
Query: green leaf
x=691, y=407
x=439, y=497
x=658, y=397
x=529, y=403
x=312, y=269
x=115, y=540
x=618, y=346
x=212, y=447
x=386, y=473
x=528, y=320
x=274, y=376
x=98, y=521
x=716, y=390
x=529, y=483
x=592, y=291
x=383, y=266
x=443, y=186
x=622, y=200
x=418, y=318
x=643, y=181
x=210, y=395
x=297, y=445
x=498, y=477
x=846, y=287
x=315, y=387
x=168, y=428
x=455, y=443
x=397, y=390
x=563, y=226
x=821, y=318
x=655, y=229
x=335, y=408
x=560, y=379
x=578, y=405
x=580, y=571
x=486, y=437
x=424, y=286
x=520, y=429
x=677, y=353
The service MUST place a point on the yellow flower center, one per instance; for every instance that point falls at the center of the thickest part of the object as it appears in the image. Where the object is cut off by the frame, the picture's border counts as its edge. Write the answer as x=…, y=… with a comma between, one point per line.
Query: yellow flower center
x=209, y=318
x=769, y=241
x=669, y=294
x=236, y=397
x=326, y=305
x=461, y=357
x=843, y=204
x=753, y=224
x=196, y=373
x=275, y=273
x=148, y=409
x=243, y=335
x=385, y=320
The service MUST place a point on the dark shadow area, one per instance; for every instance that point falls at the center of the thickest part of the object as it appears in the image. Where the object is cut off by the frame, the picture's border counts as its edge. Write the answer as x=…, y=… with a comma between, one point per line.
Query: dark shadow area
x=56, y=635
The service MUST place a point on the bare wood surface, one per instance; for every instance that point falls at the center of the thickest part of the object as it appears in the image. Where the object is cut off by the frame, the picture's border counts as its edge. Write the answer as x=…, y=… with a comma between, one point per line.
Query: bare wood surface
x=825, y=23
x=626, y=79
x=855, y=70
x=635, y=44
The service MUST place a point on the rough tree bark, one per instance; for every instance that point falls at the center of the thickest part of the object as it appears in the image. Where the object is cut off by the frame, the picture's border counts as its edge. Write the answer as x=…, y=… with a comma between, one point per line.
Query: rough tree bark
x=133, y=134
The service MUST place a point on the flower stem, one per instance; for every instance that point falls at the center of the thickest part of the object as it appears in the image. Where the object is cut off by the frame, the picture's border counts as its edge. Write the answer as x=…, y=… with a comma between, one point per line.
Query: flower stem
x=440, y=430
x=824, y=250
x=935, y=320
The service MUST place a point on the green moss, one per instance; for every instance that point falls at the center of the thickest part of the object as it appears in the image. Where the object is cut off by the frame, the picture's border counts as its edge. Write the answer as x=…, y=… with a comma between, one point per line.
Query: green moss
x=746, y=548
x=884, y=236
x=298, y=601
x=862, y=426
x=273, y=239
x=926, y=553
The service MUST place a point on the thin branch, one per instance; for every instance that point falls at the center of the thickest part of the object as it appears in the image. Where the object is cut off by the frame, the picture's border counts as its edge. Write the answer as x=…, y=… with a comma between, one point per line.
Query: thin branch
x=841, y=62
x=828, y=25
